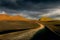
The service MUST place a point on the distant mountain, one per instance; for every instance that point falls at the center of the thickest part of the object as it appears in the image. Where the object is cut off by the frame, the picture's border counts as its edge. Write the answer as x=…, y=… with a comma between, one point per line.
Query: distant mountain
x=10, y=17
x=45, y=19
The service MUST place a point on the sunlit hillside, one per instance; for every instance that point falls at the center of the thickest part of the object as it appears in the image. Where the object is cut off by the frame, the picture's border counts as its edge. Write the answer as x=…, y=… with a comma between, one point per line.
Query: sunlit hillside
x=45, y=19
x=9, y=17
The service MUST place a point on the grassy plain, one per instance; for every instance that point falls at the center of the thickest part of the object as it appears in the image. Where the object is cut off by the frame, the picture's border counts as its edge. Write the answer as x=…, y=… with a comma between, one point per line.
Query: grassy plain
x=15, y=25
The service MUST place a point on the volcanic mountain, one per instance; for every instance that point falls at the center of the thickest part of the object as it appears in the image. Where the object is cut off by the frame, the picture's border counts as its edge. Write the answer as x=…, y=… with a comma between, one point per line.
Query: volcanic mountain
x=12, y=18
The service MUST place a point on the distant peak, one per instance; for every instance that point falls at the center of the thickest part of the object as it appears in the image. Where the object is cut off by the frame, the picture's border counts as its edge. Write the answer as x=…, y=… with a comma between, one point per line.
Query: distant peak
x=4, y=16
x=45, y=18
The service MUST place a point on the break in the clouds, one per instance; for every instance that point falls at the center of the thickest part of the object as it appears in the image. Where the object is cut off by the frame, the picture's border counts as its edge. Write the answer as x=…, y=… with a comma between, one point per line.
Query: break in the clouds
x=32, y=9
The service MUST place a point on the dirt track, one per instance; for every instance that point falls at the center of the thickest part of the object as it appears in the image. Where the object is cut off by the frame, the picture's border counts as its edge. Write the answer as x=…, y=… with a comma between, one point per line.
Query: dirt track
x=21, y=35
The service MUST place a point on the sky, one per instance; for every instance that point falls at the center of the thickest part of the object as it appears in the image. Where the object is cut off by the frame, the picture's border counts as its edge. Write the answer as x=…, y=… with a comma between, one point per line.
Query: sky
x=32, y=9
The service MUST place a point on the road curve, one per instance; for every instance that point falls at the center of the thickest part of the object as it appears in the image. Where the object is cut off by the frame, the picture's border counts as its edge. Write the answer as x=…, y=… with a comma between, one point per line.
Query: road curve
x=24, y=35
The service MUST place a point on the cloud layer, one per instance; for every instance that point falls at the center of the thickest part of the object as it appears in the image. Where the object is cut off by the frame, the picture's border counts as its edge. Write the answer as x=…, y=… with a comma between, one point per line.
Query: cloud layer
x=32, y=9
x=52, y=12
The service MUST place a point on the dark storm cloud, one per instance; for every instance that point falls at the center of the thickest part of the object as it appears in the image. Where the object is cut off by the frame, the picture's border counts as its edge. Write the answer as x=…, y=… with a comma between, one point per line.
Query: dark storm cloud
x=32, y=8
x=27, y=4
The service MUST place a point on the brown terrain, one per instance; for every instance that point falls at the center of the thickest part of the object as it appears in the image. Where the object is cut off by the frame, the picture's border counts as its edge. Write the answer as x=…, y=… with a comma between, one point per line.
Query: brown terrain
x=8, y=22
x=22, y=28
x=7, y=17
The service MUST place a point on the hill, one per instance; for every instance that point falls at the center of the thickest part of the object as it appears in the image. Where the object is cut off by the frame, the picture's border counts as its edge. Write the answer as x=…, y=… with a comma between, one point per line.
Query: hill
x=45, y=19
x=12, y=18
x=9, y=22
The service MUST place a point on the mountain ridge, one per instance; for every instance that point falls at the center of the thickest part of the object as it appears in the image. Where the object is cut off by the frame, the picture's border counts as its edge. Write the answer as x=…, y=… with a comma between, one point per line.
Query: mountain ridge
x=11, y=17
